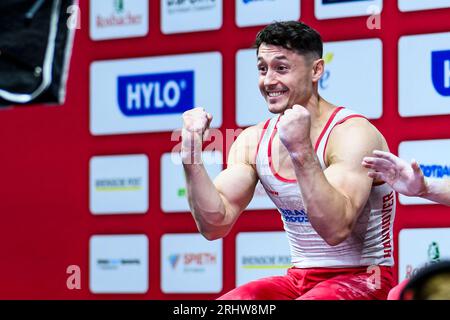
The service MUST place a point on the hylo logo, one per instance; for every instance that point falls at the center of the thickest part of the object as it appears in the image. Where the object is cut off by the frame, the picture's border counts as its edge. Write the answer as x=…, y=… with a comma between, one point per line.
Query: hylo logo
x=440, y=62
x=152, y=94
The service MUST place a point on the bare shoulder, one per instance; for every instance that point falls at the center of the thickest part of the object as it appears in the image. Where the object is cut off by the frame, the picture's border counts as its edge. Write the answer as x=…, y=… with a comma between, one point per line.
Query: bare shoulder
x=244, y=147
x=355, y=137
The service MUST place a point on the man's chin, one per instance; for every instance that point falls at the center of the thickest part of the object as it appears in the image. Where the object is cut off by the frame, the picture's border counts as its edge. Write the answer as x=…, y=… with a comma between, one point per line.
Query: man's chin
x=276, y=108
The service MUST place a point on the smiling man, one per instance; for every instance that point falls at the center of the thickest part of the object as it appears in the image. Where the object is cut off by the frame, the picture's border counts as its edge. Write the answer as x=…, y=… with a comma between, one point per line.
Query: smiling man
x=337, y=219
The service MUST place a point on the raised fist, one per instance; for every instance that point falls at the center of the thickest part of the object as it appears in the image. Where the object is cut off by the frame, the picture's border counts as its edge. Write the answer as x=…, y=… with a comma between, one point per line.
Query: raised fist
x=195, y=127
x=196, y=120
x=294, y=127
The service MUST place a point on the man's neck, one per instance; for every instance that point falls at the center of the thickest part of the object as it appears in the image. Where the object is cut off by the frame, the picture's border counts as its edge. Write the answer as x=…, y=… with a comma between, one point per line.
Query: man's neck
x=319, y=110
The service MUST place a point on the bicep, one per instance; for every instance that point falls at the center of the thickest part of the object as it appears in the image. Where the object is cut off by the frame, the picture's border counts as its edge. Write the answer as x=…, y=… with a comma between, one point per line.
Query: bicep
x=236, y=185
x=345, y=172
x=351, y=182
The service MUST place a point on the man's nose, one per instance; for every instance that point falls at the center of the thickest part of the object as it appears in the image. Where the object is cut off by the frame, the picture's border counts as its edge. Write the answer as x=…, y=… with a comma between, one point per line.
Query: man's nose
x=270, y=78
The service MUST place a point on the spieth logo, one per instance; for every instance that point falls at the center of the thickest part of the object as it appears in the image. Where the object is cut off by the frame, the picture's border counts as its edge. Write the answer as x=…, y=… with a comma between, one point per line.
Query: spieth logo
x=120, y=17
x=440, y=61
x=153, y=94
x=173, y=260
x=193, y=262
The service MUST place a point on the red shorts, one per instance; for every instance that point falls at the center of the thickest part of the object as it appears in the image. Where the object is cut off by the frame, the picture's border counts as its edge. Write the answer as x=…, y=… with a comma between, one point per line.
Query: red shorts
x=362, y=283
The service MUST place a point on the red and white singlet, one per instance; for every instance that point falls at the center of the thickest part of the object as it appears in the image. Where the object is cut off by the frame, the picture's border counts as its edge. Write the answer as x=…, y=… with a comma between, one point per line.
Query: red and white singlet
x=370, y=242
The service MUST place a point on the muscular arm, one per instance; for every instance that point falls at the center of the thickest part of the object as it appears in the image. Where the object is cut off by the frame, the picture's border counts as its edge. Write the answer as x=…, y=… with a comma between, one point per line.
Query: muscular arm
x=216, y=205
x=438, y=191
x=334, y=198
x=406, y=178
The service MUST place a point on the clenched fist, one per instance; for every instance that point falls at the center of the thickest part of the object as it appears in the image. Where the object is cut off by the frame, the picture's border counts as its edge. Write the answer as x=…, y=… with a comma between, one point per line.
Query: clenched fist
x=195, y=127
x=294, y=128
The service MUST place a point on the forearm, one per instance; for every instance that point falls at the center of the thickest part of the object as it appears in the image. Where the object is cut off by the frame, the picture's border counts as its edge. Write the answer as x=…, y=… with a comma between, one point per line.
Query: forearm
x=204, y=200
x=438, y=190
x=327, y=208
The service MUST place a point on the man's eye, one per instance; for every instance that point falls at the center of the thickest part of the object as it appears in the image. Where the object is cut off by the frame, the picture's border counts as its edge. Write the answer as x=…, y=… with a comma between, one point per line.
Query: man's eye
x=282, y=68
x=262, y=69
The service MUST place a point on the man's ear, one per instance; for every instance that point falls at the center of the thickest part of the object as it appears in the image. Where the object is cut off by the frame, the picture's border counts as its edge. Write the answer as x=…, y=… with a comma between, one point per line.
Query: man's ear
x=318, y=69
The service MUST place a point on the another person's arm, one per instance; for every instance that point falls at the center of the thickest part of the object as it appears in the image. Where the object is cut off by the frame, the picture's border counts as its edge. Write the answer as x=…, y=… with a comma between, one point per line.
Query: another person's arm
x=333, y=198
x=216, y=205
x=407, y=179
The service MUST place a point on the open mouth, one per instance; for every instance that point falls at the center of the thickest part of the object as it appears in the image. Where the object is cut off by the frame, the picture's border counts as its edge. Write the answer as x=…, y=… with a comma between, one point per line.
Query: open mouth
x=275, y=94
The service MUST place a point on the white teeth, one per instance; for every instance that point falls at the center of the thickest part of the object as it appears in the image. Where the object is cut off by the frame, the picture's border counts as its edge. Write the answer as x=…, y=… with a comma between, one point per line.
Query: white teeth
x=275, y=94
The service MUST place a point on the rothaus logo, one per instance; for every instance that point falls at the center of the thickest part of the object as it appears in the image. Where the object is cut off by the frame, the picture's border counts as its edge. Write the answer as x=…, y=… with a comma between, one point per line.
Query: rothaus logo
x=434, y=256
x=120, y=17
x=155, y=94
x=119, y=6
x=440, y=65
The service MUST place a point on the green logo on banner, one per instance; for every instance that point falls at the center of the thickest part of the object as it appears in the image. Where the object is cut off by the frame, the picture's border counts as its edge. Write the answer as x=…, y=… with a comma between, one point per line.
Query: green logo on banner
x=118, y=5
x=433, y=252
x=182, y=192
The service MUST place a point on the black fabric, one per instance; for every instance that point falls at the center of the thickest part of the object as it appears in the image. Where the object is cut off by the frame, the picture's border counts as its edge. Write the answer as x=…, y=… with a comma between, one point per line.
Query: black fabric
x=23, y=44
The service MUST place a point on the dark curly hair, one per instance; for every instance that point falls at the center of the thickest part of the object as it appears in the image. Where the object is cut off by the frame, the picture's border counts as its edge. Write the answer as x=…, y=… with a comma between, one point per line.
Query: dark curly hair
x=292, y=35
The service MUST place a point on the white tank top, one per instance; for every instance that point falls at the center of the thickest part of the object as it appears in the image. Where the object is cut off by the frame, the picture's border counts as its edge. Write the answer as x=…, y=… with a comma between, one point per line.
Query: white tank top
x=370, y=242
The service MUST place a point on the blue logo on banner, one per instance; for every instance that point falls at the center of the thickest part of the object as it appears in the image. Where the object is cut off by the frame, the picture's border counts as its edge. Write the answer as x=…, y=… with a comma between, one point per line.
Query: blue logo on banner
x=248, y=1
x=323, y=82
x=440, y=65
x=340, y=1
x=156, y=93
x=435, y=171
